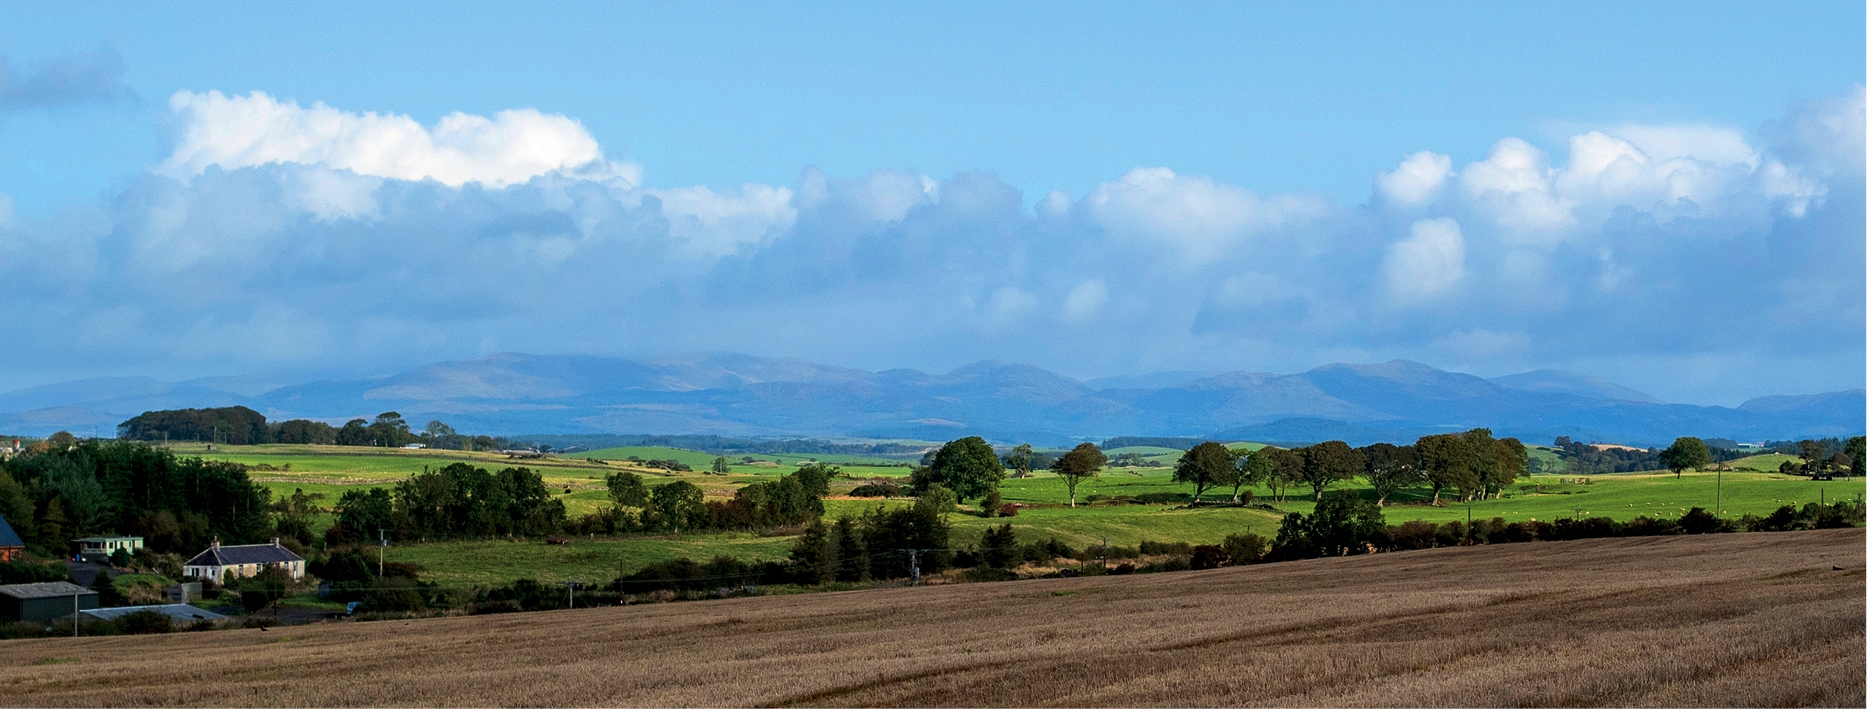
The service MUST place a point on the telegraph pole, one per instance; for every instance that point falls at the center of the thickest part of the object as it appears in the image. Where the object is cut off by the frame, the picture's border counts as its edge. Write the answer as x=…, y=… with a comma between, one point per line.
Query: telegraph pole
x=381, y=551
x=1720, y=497
x=914, y=567
x=1105, y=554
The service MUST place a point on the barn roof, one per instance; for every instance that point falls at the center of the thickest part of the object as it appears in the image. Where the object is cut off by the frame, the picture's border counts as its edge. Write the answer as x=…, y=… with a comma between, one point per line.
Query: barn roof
x=8, y=537
x=244, y=554
x=178, y=611
x=48, y=589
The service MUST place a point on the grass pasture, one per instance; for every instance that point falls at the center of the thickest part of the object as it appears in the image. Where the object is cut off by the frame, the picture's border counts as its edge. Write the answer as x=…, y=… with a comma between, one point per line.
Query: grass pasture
x=331, y=470
x=1717, y=620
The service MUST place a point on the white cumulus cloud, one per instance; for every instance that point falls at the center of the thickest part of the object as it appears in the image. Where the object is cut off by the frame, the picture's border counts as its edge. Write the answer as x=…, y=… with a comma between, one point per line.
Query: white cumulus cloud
x=1417, y=180
x=256, y=129
x=1200, y=218
x=1426, y=264
x=719, y=223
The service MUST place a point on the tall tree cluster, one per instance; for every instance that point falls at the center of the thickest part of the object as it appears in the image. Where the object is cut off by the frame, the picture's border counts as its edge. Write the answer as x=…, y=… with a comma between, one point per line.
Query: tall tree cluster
x=63, y=488
x=239, y=425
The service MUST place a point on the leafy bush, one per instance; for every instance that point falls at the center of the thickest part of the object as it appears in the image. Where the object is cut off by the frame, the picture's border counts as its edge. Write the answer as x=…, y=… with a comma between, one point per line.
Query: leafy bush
x=22, y=571
x=877, y=488
x=144, y=622
x=1241, y=549
x=1209, y=556
x=1151, y=548
x=1172, y=563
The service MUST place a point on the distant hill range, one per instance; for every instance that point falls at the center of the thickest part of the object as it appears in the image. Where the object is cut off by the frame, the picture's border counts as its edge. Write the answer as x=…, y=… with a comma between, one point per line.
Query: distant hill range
x=742, y=395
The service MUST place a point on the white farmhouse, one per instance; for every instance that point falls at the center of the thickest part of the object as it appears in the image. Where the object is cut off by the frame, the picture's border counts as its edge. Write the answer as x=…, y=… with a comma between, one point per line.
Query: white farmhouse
x=242, y=560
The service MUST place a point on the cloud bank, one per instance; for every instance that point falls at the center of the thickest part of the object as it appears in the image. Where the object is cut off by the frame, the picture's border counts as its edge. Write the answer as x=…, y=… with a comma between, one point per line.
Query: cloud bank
x=1703, y=262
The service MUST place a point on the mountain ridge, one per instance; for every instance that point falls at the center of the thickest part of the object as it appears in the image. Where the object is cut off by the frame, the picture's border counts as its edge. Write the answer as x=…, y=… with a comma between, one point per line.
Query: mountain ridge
x=745, y=395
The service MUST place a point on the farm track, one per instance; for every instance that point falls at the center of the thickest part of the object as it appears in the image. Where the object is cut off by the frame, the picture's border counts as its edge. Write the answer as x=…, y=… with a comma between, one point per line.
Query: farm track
x=1733, y=619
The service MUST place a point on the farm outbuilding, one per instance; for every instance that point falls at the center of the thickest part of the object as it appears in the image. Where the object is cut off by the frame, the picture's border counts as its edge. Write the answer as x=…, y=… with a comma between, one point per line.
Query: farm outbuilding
x=178, y=612
x=11, y=546
x=44, y=601
x=218, y=562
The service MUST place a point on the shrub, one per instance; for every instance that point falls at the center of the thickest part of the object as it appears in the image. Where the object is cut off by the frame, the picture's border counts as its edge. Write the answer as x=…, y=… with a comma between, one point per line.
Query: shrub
x=22, y=571
x=1209, y=556
x=877, y=488
x=1007, y=510
x=144, y=623
x=394, y=594
x=1649, y=527
x=1585, y=528
x=988, y=506
x=1413, y=534
x=1122, y=569
x=1698, y=521
x=986, y=573
x=1149, y=548
x=1172, y=563
x=998, y=548
x=1241, y=549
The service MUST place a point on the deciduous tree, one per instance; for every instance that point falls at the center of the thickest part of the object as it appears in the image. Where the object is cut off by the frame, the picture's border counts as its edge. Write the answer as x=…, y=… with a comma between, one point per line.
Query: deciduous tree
x=1082, y=462
x=968, y=467
x=1447, y=462
x=1389, y=469
x=1686, y=453
x=1327, y=463
x=1205, y=465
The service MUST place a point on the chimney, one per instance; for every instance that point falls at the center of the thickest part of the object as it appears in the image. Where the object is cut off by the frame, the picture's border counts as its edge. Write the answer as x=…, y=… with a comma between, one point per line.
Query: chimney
x=275, y=541
x=216, y=542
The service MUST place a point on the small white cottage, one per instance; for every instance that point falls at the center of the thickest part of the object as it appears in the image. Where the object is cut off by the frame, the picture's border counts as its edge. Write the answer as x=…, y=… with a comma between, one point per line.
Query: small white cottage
x=242, y=560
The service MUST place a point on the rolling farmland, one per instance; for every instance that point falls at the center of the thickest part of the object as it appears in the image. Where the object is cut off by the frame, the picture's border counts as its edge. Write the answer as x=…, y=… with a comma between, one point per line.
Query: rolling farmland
x=330, y=470
x=1733, y=619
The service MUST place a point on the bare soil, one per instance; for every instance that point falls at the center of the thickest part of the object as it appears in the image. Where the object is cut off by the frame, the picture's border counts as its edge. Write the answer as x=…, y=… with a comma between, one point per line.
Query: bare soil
x=1723, y=620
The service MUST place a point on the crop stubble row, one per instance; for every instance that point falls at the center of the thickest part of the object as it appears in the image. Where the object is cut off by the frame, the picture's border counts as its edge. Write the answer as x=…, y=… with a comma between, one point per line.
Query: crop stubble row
x=1733, y=619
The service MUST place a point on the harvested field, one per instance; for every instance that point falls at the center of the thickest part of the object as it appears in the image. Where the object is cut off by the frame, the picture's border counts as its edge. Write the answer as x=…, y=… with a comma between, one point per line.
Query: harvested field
x=1732, y=619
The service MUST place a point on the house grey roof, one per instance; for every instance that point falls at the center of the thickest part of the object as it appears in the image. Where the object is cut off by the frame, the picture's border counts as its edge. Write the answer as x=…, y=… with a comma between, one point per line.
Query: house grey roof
x=181, y=612
x=48, y=589
x=8, y=537
x=244, y=554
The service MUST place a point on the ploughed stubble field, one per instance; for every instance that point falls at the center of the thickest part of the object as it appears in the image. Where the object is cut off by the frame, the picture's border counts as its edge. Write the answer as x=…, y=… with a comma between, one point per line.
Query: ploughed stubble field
x=1727, y=619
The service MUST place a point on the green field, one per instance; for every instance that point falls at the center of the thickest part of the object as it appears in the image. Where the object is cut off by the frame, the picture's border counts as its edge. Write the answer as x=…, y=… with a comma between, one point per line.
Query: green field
x=577, y=480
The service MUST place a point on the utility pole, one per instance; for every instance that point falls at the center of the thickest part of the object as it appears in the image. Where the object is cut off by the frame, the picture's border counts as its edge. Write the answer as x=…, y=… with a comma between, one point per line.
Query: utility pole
x=570, y=589
x=914, y=567
x=74, y=612
x=381, y=551
x=1720, y=498
x=1105, y=554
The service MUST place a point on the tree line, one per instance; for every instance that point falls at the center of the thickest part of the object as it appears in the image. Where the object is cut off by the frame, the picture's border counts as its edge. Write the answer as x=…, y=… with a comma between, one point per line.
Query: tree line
x=62, y=488
x=239, y=425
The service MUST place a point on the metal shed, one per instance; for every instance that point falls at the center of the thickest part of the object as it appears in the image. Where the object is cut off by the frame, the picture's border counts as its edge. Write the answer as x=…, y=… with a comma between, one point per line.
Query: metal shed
x=44, y=601
x=178, y=612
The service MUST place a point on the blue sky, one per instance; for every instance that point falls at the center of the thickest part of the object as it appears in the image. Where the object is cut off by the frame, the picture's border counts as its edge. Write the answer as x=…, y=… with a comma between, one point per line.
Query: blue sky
x=1101, y=189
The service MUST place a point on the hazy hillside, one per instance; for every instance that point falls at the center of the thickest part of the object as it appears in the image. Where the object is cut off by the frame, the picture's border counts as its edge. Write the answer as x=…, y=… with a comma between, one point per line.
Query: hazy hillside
x=742, y=395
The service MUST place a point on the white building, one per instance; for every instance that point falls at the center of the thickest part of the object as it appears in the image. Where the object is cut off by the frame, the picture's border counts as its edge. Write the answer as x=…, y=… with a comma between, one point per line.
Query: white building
x=242, y=560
